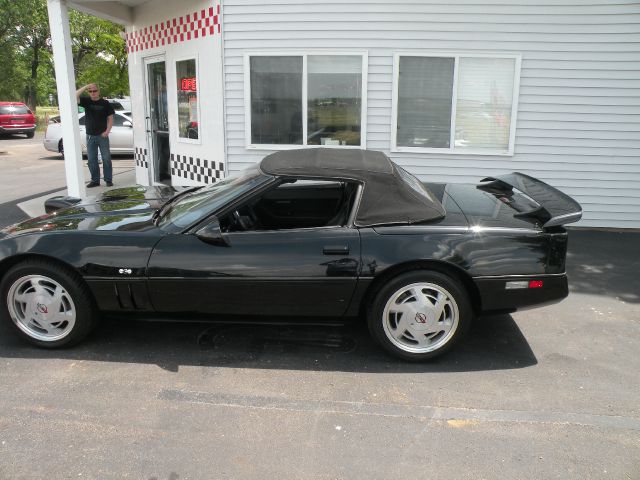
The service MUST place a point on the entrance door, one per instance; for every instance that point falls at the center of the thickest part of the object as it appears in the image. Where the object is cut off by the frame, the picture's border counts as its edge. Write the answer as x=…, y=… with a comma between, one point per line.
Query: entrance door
x=157, y=121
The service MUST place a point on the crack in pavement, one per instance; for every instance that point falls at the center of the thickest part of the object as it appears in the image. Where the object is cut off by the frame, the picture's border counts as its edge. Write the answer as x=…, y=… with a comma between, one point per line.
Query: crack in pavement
x=395, y=410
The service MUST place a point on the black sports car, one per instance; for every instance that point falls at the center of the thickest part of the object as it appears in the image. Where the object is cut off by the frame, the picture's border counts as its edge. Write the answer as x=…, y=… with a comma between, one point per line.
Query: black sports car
x=308, y=235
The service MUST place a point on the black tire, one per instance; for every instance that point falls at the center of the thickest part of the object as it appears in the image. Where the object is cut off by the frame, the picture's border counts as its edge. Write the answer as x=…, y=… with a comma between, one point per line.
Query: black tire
x=30, y=134
x=76, y=313
x=61, y=148
x=412, y=332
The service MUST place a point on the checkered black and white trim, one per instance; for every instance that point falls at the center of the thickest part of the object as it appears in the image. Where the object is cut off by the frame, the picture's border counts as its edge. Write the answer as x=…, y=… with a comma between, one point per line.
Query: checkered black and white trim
x=141, y=157
x=197, y=169
x=195, y=25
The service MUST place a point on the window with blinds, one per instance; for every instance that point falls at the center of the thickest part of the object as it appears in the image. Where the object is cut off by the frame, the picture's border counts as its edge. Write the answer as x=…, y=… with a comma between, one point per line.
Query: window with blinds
x=455, y=103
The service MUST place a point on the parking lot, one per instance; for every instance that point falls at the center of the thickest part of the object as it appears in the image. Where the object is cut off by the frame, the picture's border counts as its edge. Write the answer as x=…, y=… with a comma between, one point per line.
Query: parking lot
x=545, y=393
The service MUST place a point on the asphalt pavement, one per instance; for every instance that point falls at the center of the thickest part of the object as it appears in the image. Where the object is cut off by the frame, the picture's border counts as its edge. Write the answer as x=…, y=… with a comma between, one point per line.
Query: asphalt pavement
x=545, y=393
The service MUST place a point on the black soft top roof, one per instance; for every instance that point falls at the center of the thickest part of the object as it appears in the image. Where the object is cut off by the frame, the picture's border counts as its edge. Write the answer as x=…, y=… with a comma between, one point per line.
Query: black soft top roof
x=390, y=194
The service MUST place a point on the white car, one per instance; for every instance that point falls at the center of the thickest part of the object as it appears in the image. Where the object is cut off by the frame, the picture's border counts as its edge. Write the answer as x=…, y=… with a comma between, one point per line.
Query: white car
x=120, y=138
x=123, y=103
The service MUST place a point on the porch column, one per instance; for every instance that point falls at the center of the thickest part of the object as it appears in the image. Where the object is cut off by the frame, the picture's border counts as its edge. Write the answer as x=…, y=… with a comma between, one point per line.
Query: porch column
x=65, y=81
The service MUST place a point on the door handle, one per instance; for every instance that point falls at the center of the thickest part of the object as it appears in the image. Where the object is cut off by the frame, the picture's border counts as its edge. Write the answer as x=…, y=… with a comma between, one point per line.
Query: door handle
x=336, y=250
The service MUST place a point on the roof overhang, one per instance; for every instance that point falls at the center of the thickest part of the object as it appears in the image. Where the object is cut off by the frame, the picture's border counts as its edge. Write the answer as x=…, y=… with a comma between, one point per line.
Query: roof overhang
x=118, y=11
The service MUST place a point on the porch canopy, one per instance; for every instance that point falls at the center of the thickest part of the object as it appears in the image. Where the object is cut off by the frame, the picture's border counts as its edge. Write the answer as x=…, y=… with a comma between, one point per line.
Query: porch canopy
x=118, y=11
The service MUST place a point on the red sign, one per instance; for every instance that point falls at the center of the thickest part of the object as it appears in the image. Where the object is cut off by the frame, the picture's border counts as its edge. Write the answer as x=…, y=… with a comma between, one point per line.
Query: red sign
x=188, y=84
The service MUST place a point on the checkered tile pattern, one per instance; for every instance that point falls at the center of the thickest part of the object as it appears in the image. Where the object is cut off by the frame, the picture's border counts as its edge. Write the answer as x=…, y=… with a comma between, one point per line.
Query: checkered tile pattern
x=197, y=169
x=195, y=25
x=141, y=157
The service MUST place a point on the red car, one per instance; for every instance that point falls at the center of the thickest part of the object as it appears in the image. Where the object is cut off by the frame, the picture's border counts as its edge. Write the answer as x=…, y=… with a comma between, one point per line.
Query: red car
x=15, y=117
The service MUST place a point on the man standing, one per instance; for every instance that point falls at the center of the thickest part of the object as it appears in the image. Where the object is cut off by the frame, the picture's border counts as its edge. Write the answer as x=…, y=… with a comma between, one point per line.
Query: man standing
x=98, y=114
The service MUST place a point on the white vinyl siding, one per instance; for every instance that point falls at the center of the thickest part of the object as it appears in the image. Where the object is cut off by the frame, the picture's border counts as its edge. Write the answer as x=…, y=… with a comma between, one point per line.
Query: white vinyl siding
x=578, y=110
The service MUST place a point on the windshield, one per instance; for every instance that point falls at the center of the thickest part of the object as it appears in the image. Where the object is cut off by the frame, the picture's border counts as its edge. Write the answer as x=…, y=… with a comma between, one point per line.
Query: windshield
x=196, y=205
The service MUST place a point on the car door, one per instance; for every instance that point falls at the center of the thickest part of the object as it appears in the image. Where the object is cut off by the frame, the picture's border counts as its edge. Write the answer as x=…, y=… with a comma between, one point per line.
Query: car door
x=299, y=272
x=121, y=135
x=83, y=132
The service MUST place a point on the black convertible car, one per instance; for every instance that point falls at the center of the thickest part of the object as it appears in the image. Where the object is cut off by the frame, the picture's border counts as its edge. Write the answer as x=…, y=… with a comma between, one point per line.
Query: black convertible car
x=310, y=235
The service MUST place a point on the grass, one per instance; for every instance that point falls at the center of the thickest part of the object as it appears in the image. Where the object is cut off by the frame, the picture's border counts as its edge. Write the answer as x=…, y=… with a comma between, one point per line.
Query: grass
x=42, y=113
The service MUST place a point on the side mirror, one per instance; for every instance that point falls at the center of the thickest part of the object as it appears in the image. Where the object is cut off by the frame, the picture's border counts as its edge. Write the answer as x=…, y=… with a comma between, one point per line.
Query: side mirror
x=127, y=123
x=212, y=234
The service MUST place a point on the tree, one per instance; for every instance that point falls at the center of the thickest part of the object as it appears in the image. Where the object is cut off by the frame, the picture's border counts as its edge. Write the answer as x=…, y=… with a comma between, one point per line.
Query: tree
x=11, y=86
x=25, y=52
x=99, y=53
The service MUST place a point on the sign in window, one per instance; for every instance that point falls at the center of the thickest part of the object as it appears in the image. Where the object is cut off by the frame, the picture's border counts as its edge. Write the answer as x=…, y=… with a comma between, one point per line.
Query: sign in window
x=187, y=99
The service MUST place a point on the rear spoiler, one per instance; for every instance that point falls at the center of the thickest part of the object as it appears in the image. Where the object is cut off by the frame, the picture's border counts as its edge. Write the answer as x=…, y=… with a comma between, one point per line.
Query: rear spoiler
x=550, y=206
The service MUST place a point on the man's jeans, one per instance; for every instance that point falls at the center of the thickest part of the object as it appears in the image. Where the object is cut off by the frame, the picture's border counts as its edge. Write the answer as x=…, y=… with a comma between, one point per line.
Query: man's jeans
x=93, y=143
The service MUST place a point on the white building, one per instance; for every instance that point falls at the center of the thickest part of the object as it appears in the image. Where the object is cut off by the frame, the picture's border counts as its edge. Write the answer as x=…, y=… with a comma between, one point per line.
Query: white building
x=453, y=91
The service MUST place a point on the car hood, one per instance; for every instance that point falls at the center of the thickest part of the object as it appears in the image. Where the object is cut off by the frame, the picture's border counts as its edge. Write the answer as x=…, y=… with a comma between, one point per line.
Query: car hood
x=121, y=209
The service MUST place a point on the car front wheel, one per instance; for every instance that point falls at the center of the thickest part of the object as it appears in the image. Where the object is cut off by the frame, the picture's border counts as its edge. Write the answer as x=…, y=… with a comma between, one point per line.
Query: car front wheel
x=419, y=315
x=47, y=305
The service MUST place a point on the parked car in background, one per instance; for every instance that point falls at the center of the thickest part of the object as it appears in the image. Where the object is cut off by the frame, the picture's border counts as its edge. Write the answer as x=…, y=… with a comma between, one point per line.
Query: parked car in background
x=15, y=117
x=123, y=104
x=305, y=236
x=120, y=138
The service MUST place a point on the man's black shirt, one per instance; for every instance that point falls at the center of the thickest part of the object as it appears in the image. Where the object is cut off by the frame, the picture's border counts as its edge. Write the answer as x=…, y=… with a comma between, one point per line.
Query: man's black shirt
x=95, y=114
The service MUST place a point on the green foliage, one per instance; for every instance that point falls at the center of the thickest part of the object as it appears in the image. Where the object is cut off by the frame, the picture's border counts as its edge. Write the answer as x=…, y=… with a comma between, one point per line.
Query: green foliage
x=26, y=58
x=99, y=54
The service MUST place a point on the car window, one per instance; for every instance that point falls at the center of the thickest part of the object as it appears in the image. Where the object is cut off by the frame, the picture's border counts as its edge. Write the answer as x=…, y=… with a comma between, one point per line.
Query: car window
x=14, y=110
x=118, y=120
x=415, y=184
x=116, y=105
x=81, y=120
x=197, y=205
x=295, y=205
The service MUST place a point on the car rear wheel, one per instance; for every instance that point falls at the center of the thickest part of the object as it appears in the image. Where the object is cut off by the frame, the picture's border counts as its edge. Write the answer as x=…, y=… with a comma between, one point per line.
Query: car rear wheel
x=419, y=315
x=30, y=134
x=61, y=148
x=47, y=305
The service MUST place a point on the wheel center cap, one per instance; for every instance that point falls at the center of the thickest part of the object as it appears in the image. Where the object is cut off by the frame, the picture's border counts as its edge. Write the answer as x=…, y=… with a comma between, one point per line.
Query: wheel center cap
x=421, y=320
x=42, y=308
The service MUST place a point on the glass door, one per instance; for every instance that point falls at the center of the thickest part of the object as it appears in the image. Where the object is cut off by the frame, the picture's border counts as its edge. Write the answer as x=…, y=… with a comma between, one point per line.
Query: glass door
x=157, y=121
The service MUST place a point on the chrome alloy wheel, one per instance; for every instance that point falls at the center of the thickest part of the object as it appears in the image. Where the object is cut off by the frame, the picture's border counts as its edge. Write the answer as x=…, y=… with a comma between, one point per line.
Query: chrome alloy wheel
x=420, y=317
x=41, y=308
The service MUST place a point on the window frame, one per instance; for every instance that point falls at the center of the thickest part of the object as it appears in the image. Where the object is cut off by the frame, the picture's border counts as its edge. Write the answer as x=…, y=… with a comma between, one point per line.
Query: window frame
x=454, y=101
x=304, y=54
x=196, y=141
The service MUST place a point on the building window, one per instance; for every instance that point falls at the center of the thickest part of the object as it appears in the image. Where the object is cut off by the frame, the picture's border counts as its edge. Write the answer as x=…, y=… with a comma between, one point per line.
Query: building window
x=302, y=99
x=455, y=103
x=187, y=82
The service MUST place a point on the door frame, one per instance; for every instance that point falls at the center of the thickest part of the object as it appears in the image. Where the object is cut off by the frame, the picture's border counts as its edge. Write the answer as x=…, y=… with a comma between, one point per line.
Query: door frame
x=146, y=61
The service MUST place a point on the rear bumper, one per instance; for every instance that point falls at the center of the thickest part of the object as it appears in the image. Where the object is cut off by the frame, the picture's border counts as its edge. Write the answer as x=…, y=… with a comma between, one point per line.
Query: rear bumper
x=51, y=144
x=17, y=128
x=495, y=296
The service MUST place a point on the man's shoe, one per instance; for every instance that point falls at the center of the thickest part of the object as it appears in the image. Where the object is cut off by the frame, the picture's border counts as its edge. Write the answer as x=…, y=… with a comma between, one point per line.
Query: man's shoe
x=109, y=184
x=93, y=184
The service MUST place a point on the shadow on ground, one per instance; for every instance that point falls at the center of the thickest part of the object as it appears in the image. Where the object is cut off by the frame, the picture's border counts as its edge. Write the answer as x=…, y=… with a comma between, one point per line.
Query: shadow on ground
x=494, y=343
x=604, y=263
